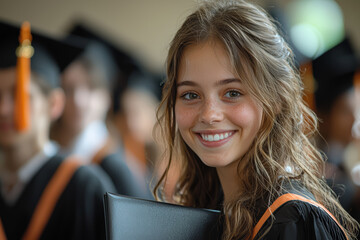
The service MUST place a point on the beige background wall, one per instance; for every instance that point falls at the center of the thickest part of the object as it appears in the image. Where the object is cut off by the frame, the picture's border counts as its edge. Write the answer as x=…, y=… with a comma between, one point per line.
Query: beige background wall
x=143, y=27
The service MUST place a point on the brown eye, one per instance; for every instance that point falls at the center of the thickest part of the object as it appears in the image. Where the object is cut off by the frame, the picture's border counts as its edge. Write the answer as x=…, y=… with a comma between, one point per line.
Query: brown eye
x=190, y=96
x=232, y=94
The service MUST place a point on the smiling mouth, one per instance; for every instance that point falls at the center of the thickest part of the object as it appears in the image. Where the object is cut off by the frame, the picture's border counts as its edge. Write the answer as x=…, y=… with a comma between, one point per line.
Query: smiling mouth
x=215, y=137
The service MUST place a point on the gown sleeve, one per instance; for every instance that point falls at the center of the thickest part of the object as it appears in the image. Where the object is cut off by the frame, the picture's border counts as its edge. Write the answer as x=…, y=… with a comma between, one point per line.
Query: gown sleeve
x=297, y=220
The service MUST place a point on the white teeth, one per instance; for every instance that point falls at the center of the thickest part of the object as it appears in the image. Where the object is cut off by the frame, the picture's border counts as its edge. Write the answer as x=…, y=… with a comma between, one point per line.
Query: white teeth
x=216, y=137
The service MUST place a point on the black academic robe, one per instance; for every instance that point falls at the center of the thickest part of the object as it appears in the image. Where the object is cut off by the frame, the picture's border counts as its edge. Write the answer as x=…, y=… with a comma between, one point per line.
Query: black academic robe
x=123, y=178
x=343, y=186
x=298, y=220
x=78, y=213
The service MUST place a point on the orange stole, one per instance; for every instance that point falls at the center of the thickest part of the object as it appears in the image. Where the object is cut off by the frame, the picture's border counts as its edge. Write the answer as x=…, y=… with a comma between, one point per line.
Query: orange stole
x=106, y=149
x=2, y=232
x=284, y=199
x=48, y=200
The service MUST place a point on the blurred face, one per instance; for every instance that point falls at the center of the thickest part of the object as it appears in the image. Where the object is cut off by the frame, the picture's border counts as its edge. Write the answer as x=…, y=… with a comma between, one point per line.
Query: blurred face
x=356, y=125
x=140, y=111
x=83, y=104
x=39, y=111
x=216, y=116
x=341, y=119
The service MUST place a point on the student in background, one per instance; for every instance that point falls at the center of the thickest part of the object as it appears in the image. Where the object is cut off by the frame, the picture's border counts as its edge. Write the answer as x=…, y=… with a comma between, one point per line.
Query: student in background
x=82, y=129
x=334, y=73
x=135, y=121
x=44, y=194
x=232, y=114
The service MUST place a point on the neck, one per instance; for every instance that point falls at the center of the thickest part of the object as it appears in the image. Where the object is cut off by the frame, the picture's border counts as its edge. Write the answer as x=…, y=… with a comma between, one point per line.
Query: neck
x=229, y=180
x=64, y=135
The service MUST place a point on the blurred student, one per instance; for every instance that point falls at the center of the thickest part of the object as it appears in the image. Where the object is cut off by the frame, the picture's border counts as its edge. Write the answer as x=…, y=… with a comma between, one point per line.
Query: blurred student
x=232, y=115
x=334, y=73
x=44, y=194
x=82, y=129
x=135, y=121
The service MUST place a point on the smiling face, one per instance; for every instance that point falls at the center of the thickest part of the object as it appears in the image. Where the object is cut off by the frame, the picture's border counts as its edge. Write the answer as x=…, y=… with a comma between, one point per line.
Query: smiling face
x=216, y=116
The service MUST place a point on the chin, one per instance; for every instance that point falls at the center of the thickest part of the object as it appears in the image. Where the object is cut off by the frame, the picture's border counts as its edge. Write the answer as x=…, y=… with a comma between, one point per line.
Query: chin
x=215, y=162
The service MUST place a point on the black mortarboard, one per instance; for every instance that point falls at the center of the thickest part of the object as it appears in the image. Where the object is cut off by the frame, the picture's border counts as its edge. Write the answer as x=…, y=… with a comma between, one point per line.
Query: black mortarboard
x=334, y=73
x=51, y=56
x=126, y=64
x=146, y=82
x=30, y=51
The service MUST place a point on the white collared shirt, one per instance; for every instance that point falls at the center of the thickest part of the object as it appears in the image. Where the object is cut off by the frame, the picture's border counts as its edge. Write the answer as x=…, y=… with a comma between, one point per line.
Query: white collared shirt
x=89, y=142
x=24, y=174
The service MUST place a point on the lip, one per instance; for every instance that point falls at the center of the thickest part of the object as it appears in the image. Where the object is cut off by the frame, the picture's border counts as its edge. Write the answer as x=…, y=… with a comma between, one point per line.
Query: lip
x=214, y=144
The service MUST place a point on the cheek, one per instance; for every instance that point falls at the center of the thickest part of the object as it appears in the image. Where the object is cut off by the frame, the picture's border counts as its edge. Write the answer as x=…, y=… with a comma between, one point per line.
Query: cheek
x=40, y=112
x=184, y=117
x=342, y=119
x=249, y=115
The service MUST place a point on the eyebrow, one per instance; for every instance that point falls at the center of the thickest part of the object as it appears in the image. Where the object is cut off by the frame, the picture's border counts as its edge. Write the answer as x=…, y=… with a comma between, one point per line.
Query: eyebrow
x=221, y=82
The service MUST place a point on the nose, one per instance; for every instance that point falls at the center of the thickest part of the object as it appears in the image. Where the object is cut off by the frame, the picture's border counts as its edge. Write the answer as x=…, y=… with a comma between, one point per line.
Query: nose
x=81, y=97
x=211, y=112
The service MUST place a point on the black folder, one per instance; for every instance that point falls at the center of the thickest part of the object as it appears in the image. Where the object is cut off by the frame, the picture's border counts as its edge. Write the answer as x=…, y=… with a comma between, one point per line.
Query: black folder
x=134, y=219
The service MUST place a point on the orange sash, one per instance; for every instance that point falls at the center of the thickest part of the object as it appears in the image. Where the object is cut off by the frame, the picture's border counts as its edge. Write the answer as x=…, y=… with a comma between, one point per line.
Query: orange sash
x=105, y=150
x=48, y=199
x=2, y=232
x=284, y=199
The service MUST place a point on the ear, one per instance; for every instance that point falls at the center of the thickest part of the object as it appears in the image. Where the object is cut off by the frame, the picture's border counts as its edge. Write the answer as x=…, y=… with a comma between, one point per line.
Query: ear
x=56, y=103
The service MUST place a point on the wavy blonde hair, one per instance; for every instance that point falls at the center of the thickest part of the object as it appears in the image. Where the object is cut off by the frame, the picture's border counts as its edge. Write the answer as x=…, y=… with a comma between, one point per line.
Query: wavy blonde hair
x=261, y=58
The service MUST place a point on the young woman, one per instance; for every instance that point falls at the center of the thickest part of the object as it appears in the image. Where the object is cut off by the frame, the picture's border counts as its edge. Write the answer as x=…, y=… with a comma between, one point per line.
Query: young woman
x=232, y=114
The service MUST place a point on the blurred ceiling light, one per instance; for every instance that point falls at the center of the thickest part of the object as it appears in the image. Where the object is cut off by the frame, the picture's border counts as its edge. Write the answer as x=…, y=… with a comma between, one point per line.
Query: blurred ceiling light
x=315, y=25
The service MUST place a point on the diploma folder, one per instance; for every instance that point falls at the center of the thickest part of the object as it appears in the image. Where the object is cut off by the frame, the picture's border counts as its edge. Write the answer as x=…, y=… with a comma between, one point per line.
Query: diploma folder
x=134, y=219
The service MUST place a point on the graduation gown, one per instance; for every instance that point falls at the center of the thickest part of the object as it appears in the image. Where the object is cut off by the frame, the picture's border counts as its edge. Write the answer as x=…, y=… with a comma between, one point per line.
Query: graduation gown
x=301, y=220
x=124, y=180
x=78, y=213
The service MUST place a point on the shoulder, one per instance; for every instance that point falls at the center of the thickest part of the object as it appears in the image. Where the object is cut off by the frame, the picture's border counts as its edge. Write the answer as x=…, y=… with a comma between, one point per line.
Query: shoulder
x=302, y=220
x=115, y=159
x=91, y=177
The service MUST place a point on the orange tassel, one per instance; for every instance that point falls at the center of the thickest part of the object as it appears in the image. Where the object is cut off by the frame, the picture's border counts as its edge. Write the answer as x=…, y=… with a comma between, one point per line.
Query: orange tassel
x=357, y=79
x=24, y=52
x=309, y=84
x=357, y=93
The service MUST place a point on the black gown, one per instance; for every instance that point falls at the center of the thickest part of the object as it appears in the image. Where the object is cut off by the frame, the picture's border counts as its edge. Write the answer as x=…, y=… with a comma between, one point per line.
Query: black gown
x=124, y=180
x=297, y=220
x=78, y=213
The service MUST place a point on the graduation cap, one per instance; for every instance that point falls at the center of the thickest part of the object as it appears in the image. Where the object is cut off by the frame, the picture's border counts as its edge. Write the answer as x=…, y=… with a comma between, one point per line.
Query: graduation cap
x=334, y=73
x=147, y=82
x=31, y=51
x=125, y=63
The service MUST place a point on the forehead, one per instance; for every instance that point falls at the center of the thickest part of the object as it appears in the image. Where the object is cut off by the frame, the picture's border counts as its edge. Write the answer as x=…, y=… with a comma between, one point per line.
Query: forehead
x=7, y=77
x=207, y=60
x=8, y=80
x=75, y=75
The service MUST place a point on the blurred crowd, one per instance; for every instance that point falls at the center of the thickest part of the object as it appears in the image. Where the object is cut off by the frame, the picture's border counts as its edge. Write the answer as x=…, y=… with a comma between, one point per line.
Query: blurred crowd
x=93, y=103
